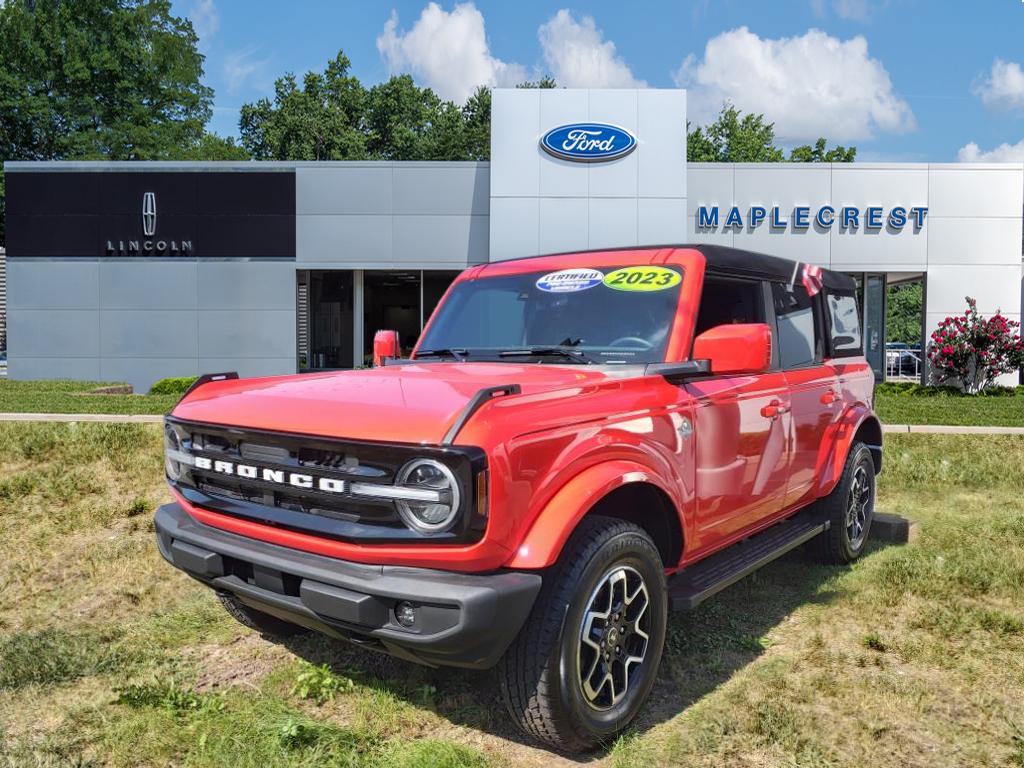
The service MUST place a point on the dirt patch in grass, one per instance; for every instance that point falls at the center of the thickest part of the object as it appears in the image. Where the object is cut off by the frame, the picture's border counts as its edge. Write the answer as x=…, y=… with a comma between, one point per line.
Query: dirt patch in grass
x=242, y=661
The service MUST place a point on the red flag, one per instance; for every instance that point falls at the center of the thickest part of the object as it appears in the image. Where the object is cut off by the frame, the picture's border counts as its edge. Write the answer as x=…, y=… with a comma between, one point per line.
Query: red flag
x=812, y=279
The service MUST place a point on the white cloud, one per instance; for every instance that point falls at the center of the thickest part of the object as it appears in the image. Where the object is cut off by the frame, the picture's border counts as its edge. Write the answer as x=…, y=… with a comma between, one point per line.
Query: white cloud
x=809, y=86
x=852, y=10
x=241, y=67
x=1004, y=153
x=1004, y=86
x=578, y=56
x=205, y=20
x=447, y=52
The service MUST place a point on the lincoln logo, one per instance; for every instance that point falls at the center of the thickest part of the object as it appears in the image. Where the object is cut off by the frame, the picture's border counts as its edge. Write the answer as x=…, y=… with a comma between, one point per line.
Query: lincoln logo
x=278, y=476
x=149, y=214
x=148, y=246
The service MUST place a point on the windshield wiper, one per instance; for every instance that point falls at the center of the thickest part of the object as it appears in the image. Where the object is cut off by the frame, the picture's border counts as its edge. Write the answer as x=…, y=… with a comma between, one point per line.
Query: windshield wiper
x=458, y=354
x=569, y=354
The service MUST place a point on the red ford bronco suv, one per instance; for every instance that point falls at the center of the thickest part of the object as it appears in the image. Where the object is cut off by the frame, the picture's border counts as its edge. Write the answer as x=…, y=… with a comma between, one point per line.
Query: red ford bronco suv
x=577, y=444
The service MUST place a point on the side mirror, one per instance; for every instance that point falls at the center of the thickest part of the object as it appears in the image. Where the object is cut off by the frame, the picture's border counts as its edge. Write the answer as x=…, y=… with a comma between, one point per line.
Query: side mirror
x=385, y=344
x=735, y=349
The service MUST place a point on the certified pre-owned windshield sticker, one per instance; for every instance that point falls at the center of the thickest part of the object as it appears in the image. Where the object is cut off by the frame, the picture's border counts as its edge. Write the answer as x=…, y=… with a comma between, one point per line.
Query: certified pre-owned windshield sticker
x=570, y=280
x=642, y=279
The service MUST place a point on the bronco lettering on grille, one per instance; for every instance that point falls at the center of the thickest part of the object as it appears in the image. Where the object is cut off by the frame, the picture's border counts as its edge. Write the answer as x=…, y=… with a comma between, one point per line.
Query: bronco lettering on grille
x=267, y=475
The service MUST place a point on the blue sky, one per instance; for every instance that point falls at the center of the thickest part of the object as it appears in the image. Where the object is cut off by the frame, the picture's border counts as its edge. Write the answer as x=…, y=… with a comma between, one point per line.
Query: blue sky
x=901, y=79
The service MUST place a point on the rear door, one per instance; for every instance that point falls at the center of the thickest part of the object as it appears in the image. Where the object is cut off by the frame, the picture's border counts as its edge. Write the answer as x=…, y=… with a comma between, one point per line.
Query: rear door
x=741, y=425
x=814, y=398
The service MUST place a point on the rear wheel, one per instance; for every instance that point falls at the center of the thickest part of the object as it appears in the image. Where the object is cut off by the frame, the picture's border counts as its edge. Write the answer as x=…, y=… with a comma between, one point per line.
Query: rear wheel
x=264, y=623
x=586, y=659
x=850, y=508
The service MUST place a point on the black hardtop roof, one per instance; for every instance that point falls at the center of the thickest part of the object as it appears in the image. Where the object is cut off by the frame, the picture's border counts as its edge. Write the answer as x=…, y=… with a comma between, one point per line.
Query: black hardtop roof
x=722, y=257
x=735, y=260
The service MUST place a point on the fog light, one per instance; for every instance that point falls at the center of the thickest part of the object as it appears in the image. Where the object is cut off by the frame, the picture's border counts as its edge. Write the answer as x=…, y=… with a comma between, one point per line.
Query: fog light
x=405, y=613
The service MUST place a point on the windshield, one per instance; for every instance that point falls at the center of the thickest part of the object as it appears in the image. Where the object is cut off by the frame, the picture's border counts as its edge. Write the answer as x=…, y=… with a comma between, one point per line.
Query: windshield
x=618, y=316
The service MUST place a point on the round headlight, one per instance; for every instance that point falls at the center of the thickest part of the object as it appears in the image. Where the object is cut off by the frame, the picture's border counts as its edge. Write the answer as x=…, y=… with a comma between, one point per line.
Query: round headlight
x=172, y=448
x=436, y=512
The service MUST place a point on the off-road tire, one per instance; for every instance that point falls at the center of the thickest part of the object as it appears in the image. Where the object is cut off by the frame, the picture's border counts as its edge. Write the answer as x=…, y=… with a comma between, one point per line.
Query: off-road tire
x=264, y=623
x=539, y=674
x=835, y=546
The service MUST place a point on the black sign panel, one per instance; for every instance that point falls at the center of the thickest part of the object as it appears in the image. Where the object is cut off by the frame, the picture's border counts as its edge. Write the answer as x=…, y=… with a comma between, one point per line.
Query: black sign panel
x=151, y=213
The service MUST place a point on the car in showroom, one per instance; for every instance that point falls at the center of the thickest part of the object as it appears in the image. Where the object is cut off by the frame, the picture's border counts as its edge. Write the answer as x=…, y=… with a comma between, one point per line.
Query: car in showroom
x=578, y=444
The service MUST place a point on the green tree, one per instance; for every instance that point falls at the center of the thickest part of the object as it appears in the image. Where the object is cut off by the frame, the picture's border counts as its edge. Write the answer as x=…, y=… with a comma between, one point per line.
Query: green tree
x=332, y=116
x=477, y=117
x=545, y=82
x=738, y=138
x=734, y=138
x=320, y=120
x=818, y=153
x=101, y=79
x=903, y=313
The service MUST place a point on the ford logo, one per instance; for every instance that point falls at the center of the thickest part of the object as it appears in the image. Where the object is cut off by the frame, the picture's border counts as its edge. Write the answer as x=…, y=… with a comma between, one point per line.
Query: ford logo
x=588, y=142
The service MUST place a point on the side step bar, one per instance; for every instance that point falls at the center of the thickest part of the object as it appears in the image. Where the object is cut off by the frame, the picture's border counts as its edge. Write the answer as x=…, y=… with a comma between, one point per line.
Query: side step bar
x=714, y=573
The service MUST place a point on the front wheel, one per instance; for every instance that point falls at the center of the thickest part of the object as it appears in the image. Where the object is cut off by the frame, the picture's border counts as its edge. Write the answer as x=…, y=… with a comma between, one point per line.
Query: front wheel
x=264, y=623
x=587, y=657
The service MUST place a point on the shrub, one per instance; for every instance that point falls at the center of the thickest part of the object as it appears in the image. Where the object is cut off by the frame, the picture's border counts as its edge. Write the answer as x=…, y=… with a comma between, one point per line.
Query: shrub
x=166, y=694
x=969, y=351
x=908, y=389
x=173, y=386
x=318, y=683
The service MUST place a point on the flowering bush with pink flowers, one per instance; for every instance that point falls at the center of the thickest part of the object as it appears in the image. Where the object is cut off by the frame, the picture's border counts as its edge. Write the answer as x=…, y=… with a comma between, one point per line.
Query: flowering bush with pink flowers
x=969, y=351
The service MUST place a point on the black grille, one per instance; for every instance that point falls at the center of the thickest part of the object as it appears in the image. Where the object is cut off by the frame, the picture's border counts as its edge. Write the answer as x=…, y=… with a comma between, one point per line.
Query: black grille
x=331, y=514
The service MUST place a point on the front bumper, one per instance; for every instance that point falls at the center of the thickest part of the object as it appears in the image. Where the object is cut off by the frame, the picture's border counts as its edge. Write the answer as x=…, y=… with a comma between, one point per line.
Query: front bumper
x=462, y=620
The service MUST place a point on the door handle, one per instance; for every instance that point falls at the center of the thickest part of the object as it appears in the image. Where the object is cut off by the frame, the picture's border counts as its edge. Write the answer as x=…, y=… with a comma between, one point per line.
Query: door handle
x=829, y=397
x=774, y=409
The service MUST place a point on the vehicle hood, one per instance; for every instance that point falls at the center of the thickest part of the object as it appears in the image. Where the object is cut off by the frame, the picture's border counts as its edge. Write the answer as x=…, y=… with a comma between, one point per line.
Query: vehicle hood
x=413, y=403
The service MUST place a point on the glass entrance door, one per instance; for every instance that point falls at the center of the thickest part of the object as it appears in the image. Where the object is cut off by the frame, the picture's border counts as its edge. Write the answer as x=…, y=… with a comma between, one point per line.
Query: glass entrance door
x=871, y=297
x=326, y=311
x=874, y=323
x=400, y=301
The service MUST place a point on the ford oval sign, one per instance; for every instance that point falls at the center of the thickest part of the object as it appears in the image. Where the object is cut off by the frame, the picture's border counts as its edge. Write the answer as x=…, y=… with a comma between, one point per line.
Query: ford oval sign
x=588, y=142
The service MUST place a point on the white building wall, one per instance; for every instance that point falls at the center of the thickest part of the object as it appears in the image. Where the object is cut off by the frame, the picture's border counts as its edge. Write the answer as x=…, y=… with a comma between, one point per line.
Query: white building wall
x=541, y=204
x=969, y=244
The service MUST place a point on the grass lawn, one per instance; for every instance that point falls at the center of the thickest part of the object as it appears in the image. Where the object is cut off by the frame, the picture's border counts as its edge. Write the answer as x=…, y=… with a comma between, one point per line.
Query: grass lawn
x=108, y=657
x=950, y=409
x=74, y=397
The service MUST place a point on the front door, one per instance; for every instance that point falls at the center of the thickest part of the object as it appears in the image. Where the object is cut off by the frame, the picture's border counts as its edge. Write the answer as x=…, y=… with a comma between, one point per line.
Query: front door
x=741, y=424
x=741, y=427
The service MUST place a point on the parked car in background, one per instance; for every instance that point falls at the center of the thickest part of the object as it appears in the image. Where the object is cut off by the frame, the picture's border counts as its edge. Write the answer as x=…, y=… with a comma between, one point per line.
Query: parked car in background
x=903, y=361
x=578, y=444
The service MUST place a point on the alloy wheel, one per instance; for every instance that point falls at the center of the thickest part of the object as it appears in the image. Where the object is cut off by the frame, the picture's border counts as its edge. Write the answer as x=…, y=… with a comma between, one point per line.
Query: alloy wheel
x=614, y=637
x=858, y=509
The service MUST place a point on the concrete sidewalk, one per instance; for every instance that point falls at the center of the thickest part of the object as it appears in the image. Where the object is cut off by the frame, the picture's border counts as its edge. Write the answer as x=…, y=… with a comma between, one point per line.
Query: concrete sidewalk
x=106, y=418
x=117, y=418
x=942, y=429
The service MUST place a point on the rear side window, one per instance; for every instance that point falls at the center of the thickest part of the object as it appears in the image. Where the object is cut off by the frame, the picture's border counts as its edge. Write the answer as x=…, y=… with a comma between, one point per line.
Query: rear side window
x=796, y=329
x=844, y=324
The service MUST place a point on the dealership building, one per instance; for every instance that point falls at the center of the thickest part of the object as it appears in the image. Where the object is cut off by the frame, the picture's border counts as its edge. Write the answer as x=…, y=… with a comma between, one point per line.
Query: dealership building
x=134, y=271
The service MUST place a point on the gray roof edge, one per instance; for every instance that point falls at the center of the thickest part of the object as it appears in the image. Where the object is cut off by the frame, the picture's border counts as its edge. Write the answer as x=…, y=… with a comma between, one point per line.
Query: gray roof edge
x=244, y=166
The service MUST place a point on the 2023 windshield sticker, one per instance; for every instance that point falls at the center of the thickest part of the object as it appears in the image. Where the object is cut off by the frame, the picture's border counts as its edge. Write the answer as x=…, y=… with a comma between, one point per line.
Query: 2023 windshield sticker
x=644, y=279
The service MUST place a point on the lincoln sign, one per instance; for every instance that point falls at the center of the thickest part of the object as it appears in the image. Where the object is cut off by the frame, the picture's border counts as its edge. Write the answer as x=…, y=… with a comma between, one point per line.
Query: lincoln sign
x=149, y=244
